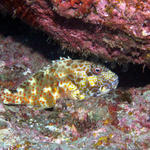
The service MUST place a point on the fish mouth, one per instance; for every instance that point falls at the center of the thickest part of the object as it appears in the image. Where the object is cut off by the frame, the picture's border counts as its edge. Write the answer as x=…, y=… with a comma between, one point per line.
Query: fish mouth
x=107, y=87
x=115, y=83
x=100, y=91
x=111, y=86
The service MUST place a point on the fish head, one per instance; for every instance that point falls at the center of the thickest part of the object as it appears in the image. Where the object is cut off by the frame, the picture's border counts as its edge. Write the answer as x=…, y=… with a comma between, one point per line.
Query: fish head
x=93, y=79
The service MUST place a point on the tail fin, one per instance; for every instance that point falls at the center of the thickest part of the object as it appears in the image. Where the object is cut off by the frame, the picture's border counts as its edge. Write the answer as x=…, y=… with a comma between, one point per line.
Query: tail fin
x=7, y=97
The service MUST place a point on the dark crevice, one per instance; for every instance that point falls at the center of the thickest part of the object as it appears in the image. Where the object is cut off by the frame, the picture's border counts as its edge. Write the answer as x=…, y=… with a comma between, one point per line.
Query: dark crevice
x=28, y=36
x=130, y=75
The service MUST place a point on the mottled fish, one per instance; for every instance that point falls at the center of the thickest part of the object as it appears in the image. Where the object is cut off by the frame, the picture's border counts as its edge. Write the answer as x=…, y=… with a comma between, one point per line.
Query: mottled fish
x=63, y=79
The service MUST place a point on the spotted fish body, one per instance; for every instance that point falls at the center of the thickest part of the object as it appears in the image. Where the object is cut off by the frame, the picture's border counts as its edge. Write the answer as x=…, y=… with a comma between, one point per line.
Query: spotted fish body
x=63, y=79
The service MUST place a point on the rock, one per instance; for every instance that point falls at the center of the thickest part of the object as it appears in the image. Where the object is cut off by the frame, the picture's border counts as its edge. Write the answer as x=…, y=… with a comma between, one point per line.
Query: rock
x=113, y=30
x=2, y=109
x=118, y=120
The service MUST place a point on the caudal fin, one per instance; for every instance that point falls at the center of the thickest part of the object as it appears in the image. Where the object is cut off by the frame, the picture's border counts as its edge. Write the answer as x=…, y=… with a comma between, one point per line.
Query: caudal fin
x=7, y=97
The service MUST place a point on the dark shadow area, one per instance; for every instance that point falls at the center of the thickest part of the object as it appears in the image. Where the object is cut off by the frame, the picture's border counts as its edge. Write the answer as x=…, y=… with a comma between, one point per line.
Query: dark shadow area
x=36, y=39
x=132, y=76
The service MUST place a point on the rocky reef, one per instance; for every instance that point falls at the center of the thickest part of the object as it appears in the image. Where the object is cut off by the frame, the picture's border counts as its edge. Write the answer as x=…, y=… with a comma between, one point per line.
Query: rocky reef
x=117, y=30
x=117, y=120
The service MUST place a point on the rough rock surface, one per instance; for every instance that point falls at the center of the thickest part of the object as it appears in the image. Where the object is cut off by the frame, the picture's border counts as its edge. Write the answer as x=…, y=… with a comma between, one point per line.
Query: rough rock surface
x=114, y=30
x=118, y=120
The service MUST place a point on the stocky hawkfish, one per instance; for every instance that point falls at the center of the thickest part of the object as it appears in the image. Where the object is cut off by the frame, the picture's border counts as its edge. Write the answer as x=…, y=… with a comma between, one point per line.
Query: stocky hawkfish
x=64, y=78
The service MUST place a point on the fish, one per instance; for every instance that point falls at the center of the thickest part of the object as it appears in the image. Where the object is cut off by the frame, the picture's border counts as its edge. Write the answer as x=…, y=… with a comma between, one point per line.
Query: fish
x=62, y=79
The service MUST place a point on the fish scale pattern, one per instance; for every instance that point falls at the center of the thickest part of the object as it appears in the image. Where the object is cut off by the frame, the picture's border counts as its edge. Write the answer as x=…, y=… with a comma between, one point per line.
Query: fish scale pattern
x=64, y=78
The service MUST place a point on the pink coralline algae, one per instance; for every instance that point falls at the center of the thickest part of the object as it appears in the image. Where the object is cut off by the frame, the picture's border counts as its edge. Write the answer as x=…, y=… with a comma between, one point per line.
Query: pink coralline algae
x=119, y=119
x=129, y=16
x=96, y=123
x=116, y=30
x=73, y=8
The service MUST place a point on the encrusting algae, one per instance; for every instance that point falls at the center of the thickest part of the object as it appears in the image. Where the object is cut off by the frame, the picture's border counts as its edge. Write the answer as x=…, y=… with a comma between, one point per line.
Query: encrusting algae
x=63, y=79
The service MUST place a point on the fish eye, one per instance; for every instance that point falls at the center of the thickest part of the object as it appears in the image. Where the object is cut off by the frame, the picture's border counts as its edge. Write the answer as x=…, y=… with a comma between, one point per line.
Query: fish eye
x=96, y=70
